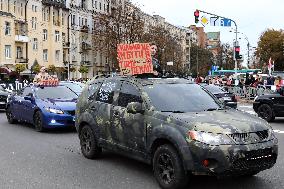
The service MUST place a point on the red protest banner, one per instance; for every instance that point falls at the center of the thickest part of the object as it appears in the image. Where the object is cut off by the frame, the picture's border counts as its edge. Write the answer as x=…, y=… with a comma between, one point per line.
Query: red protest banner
x=134, y=58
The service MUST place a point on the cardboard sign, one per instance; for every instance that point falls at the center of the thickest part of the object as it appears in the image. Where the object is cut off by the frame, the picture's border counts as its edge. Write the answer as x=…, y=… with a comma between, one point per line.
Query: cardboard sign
x=134, y=58
x=46, y=80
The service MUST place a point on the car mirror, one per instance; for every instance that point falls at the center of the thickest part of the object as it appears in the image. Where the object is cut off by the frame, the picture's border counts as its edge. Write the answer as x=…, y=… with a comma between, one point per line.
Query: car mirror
x=134, y=107
x=28, y=98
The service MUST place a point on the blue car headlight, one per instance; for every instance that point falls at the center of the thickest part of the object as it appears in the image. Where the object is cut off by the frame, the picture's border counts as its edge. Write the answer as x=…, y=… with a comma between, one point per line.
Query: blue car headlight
x=55, y=111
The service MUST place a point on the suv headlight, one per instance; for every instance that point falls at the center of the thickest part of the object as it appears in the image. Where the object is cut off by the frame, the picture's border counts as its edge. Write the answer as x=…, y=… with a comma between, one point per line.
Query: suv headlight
x=210, y=138
x=55, y=111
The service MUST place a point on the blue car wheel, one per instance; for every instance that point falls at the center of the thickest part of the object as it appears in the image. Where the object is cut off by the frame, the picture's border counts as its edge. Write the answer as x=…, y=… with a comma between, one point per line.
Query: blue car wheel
x=38, y=121
x=9, y=115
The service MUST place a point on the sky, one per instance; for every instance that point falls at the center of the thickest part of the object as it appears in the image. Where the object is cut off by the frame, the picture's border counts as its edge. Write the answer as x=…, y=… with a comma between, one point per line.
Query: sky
x=252, y=16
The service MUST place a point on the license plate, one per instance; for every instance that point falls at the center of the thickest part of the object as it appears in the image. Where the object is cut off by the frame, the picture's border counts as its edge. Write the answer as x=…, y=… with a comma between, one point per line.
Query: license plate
x=227, y=98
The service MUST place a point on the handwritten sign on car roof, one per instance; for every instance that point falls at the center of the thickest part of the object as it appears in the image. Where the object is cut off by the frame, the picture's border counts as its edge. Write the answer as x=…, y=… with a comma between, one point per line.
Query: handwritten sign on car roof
x=134, y=58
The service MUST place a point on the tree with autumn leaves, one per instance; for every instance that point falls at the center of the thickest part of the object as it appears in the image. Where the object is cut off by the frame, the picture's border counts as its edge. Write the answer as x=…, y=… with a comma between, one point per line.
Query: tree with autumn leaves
x=125, y=24
x=271, y=45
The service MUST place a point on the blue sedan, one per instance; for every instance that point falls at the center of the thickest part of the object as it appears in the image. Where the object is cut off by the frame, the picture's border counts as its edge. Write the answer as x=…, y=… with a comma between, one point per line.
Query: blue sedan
x=44, y=107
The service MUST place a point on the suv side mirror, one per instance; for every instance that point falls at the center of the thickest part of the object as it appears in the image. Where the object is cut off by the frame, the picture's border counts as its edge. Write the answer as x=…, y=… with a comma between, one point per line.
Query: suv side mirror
x=134, y=107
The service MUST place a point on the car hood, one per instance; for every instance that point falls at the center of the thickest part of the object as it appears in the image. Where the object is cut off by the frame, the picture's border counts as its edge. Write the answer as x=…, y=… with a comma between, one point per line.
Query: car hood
x=219, y=121
x=63, y=104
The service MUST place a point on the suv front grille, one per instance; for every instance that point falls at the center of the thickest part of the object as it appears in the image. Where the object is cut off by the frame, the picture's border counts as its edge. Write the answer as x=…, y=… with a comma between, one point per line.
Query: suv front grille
x=256, y=159
x=247, y=138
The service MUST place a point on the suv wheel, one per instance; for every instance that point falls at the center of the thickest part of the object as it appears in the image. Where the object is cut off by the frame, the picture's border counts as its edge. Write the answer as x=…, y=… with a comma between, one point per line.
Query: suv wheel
x=9, y=115
x=168, y=168
x=88, y=142
x=266, y=112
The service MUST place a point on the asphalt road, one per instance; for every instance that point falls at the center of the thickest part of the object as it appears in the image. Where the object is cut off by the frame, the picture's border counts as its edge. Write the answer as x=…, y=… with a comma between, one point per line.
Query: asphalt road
x=29, y=159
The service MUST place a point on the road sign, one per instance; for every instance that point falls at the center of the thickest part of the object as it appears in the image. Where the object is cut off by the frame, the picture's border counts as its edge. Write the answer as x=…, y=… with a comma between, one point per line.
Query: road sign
x=225, y=22
x=214, y=21
x=204, y=20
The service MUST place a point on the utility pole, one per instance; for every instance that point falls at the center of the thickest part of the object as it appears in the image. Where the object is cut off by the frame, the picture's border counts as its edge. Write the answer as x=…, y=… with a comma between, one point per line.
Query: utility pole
x=27, y=30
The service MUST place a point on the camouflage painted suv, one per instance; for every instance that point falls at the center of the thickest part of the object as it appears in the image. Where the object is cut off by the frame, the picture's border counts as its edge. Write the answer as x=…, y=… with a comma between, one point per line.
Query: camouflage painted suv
x=176, y=126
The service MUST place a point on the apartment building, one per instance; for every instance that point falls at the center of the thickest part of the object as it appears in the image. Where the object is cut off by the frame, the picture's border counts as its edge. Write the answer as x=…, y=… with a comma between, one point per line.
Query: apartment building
x=32, y=31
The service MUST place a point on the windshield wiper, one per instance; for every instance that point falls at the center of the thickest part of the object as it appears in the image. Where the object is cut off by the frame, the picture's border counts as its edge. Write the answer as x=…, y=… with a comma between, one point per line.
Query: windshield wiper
x=213, y=109
x=175, y=111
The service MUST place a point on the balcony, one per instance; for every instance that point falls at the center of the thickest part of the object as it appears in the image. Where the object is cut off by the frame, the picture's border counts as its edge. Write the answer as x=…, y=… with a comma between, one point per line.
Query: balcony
x=21, y=38
x=21, y=60
x=84, y=29
x=86, y=63
x=85, y=46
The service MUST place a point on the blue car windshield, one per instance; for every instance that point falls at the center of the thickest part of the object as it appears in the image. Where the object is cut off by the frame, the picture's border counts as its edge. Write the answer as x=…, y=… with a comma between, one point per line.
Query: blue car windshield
x=59, y=92
x=74, y=87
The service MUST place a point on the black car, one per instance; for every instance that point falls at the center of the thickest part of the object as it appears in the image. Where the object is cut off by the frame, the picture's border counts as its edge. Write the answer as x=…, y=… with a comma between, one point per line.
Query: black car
x=270, y=106
x=3, y=97
x=174, y=125
x=228, y=98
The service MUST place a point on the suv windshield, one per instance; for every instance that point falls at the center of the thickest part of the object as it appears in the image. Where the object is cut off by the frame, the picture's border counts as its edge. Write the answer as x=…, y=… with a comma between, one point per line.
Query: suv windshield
x=181, y=98
x=59, y=92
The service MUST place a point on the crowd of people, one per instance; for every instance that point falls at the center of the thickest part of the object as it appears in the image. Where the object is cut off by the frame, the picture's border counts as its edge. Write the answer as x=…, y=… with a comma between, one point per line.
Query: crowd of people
x=249, y=80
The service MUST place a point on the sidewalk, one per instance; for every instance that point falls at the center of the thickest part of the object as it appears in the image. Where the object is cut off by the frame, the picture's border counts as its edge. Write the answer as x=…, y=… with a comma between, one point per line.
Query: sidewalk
x=242, y=100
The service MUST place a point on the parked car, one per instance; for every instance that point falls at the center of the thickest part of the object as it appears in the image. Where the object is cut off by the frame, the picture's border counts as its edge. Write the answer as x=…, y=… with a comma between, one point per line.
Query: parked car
x=3, y=97
x=228, y=98
x=76, y=87
x=44, y=107
x=173, y=124
x=270, y=106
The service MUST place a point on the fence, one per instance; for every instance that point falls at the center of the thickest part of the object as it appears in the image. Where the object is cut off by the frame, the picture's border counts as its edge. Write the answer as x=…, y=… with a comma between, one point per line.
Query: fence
x=245, y=92
x=250, y=93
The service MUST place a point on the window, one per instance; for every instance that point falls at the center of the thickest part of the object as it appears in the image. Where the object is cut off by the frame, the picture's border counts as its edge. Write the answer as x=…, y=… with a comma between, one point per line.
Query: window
x=129, y=93
x=8, y=6
x=7, y=28
x=1, y=4
x=45, y=55
x=62, y=22
x=73, y=20
x=44, y=34
x=15, y=6
x=93, y=89
x=19, y=52
x=8, y=51
x=57, y=36
x=35, y=43
x=57, y=54
x=96, y=4
x=106, y=92
x=100, y=6
x=34, y=22
x=21, y=9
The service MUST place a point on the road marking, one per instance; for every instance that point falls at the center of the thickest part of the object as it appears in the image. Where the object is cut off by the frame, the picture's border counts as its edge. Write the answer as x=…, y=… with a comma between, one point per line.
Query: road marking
x=278, y=131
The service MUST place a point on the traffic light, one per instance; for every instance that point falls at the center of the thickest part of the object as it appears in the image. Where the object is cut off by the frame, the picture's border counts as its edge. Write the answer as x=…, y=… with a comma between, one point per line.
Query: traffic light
x=237, y=52
x=196, y=15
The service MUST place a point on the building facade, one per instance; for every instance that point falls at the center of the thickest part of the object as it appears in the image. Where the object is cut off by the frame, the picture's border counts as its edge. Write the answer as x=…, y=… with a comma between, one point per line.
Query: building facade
x=60, y=33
